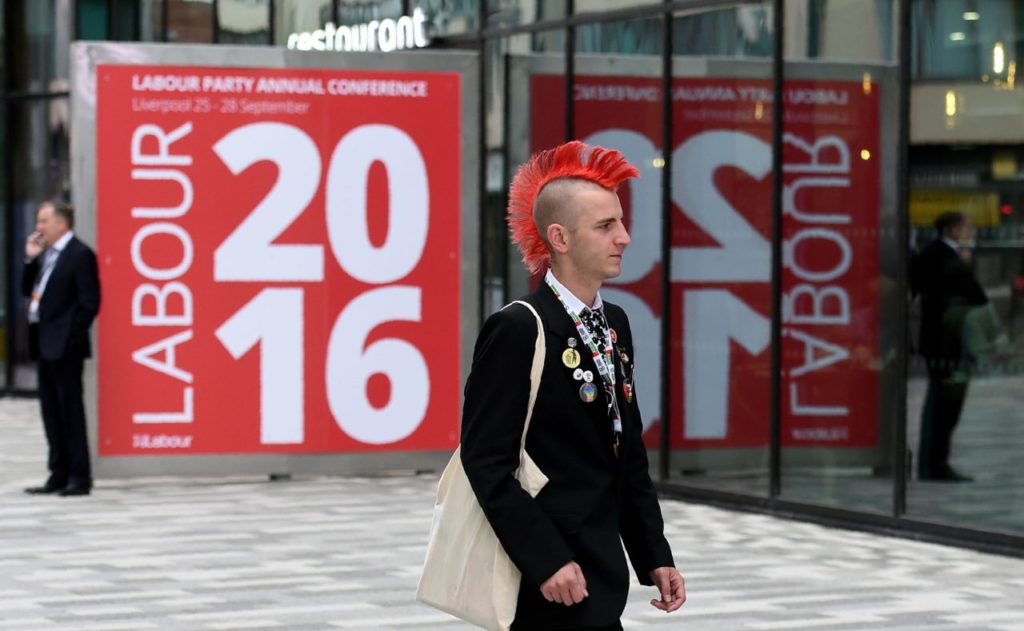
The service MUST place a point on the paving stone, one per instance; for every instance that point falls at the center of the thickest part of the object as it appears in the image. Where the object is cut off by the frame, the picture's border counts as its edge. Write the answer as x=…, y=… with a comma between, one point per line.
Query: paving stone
x=324, y=553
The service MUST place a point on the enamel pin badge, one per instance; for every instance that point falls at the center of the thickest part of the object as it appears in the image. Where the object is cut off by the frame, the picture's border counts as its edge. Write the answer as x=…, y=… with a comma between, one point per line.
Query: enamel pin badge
x=588, y=392
x=571, y=358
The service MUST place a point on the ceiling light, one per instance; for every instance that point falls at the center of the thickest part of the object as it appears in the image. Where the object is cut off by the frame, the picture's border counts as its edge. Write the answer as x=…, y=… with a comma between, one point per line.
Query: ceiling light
x=972, y=16
x=959, y=36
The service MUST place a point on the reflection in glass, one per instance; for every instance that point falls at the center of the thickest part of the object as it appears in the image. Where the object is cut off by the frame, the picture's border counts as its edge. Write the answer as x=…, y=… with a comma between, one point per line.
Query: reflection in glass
x=721, y=218
x=618, y=104
x=352, y=12
x=63, y=34
x=525, y=112
x=151, y=16
x=582, y=6
x=964, y=39
x=243, y=22
x=93, y=18
x=300, y=16
x=125, y=25
x=513, y=12
x=39, y=140
x=636, y=37
x=448, y=17
x=964, y=420
x=190, y=21
x=30, y=29
x=742, y=31
x=840, y=300
x=965, y=428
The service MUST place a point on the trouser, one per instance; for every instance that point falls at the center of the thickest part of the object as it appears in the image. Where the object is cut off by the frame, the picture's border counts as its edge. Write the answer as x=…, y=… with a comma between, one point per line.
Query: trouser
x=617, y=626
x=60, y=400
x=939, y=418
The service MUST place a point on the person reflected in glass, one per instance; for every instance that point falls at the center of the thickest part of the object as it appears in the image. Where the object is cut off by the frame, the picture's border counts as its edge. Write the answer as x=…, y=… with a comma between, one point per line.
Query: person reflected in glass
x=941, y=274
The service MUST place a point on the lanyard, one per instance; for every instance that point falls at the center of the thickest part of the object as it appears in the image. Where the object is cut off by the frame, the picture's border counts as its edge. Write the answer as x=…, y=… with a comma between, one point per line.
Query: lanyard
x=49, y=262
x=603, y=360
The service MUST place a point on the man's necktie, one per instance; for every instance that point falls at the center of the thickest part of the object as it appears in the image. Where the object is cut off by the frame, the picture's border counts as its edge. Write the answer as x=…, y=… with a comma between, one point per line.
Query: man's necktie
x=49, y=260
x=594, y=320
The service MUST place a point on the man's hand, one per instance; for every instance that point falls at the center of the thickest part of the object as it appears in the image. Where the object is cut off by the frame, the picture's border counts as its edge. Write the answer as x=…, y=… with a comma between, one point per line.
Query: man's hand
x=673, y=590
x=33, y=246
x=566, y=586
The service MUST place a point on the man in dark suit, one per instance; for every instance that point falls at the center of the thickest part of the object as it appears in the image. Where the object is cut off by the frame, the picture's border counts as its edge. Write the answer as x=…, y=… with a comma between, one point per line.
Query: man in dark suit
x=62, y=283
x=948, y=290
x=585, y=433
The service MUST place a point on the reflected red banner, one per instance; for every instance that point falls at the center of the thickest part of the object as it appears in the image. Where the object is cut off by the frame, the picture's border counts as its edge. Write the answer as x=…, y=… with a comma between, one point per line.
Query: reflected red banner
x=721, y=168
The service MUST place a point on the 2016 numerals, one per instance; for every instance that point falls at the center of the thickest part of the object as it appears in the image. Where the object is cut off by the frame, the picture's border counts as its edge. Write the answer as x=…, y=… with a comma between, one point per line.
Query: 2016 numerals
x=274, y=318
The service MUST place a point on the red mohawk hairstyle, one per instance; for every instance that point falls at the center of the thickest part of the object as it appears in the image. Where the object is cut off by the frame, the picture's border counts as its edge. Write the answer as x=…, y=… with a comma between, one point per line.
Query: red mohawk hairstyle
x=605, y=167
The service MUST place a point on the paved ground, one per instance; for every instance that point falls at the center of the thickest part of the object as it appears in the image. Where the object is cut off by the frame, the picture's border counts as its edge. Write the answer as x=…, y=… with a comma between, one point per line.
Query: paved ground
x=333, y=553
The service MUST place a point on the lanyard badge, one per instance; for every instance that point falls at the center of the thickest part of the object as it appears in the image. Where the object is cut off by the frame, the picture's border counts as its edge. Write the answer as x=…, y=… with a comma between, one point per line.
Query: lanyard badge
x=602, y=359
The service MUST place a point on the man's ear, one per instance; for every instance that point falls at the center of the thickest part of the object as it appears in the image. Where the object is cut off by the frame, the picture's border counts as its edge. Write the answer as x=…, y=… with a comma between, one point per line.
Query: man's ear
x=558, y=238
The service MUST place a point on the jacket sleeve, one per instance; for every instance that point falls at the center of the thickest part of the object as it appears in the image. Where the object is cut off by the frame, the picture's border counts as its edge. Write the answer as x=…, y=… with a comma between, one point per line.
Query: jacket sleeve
x=971, y=288
x=494, y=413
x=28, y=277
x=640, y=521
x=916, y=275
x=87, y=291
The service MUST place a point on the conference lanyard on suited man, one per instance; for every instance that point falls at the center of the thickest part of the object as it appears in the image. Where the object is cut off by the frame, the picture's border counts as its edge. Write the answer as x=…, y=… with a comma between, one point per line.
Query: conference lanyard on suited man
x=61, y=282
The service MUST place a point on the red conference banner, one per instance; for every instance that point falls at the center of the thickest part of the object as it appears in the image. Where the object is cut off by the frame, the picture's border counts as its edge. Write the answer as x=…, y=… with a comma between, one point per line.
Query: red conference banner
x=279, y=252
x=719, y=375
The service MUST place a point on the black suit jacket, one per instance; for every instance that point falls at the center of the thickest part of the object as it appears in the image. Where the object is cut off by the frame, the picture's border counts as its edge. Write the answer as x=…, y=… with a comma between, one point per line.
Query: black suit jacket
x=948, y=288
x=68, y=305
x=592, y=498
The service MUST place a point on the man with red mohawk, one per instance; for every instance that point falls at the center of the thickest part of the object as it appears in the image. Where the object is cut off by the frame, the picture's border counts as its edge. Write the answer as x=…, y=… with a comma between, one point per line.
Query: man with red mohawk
x=585, y=431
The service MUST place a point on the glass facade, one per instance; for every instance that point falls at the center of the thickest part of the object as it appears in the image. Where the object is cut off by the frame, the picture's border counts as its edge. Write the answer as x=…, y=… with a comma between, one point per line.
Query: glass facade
x=518, y=93
x=448, y=17
x=974, y=40
x=189, y=21
x=850, y=465
x=298, y=16
x=801, y=349
x=514, y=12
x=244, y=22
x=718, y=381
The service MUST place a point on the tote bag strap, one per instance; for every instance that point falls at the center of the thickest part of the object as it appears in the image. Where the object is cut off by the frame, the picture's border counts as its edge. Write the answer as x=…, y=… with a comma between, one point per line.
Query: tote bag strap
x=539, y=352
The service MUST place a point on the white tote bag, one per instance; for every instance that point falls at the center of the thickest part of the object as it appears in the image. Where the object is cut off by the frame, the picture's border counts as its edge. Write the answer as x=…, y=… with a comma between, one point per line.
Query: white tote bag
x=467, y=573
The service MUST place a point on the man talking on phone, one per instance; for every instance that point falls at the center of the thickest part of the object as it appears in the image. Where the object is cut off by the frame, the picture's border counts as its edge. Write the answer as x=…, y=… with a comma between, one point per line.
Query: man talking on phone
x=61, y=281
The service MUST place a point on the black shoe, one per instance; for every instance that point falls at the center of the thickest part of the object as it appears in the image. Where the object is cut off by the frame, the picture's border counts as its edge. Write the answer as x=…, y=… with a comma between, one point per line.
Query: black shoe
x=75, y=489
x=45, y=489
x=948, y=474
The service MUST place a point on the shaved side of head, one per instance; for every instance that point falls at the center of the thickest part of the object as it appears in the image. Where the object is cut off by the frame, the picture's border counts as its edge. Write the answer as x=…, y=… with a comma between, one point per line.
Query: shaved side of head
x=557, y=203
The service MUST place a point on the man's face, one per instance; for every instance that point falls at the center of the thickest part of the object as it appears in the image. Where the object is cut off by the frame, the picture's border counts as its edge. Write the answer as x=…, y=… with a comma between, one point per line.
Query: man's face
x=599, y=237
x=51, y=226
x=962, y=233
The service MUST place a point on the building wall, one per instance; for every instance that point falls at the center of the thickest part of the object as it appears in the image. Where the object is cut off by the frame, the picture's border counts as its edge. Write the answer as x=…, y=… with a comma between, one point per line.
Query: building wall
x=964, y=155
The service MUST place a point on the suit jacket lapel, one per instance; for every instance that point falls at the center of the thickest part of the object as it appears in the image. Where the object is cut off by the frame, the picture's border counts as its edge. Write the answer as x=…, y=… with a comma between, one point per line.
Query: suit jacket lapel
x=558, y=323
x=61, y=256
x=556, y=320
